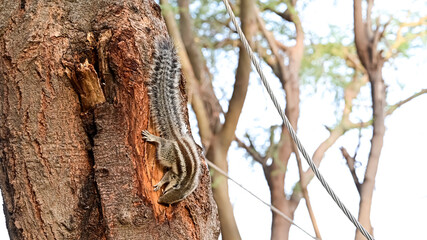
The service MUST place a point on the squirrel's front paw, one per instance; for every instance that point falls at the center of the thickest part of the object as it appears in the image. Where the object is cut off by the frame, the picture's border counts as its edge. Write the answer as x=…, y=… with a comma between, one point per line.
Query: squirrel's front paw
x=146, y=135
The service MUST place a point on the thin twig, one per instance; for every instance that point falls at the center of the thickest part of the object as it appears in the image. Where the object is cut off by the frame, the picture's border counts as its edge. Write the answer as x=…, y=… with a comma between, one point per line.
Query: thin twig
x=350, y=163
x=303, y=185
x=393, y=107
x=251, y=151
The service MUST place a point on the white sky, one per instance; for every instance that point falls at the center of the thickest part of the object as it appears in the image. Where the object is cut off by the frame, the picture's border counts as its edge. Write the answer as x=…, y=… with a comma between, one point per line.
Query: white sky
x=399, y=209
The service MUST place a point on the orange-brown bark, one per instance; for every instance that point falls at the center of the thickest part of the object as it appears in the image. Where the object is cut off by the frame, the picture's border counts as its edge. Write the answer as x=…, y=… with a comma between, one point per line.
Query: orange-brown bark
x=85, y=174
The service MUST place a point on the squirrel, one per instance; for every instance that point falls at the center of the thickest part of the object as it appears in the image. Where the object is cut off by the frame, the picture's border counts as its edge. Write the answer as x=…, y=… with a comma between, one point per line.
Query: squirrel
x=176, y=149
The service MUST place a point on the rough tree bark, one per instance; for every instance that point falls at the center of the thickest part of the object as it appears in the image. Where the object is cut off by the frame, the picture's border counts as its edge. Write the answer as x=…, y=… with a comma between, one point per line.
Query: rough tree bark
x=73, y=163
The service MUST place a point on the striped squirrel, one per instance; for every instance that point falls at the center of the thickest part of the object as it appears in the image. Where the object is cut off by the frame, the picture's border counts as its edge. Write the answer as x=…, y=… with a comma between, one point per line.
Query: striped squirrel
x=176, y=149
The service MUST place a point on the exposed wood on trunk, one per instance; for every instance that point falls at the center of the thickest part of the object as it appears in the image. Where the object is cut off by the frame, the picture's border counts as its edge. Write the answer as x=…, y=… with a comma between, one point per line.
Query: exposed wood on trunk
x=69, y=174
x=87, y=85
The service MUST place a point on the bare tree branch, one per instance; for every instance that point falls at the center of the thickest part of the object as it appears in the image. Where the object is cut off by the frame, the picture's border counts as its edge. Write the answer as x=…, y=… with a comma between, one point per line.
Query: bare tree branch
x=272, y=42
x=225, y=42
x=351, y=163
x=282, y=46
x=353, y=61
x=350, y=93
x=360, y=37
x=358, y=144
x=395, y=106
x=382, y=32
x=251, y=151
x=368, y=25
x=303, y=185
x=390, y=109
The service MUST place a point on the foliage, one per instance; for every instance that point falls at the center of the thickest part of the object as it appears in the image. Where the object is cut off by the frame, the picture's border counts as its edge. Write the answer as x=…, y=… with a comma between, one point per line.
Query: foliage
x=324, y=60
x=403, y=36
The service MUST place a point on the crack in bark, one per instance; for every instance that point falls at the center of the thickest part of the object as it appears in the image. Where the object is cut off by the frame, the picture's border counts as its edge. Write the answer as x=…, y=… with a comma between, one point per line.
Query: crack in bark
x=33, y=200
x=89, y=201
x=191, y=215
x=44, y=161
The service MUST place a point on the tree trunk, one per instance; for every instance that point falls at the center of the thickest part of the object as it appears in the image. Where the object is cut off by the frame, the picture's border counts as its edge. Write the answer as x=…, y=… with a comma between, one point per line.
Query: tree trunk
x=276, y=172
x=217, y=152
x=73, y=163
x=378, y=92
x=366, y=42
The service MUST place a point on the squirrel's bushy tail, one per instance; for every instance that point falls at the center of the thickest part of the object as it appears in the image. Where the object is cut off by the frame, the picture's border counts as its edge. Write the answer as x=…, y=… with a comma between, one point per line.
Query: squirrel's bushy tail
x=163, y=89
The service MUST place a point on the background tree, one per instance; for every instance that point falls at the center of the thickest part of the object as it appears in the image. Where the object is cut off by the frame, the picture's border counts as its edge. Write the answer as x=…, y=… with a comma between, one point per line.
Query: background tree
x=367, y=36
x=284, y=57
x=73, y=105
